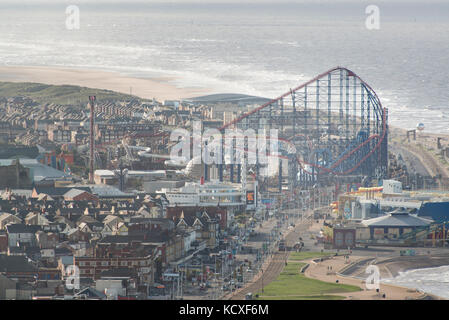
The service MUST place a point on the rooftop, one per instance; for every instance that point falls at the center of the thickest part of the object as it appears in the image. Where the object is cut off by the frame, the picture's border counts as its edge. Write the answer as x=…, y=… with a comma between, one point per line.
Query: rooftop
x=39, y=171
x=73, y=193
x=22, y=228
x=15, y=264
x=397, y=218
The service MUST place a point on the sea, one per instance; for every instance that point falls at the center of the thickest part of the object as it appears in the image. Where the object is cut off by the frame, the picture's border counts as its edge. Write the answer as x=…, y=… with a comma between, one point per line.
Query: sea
x=430, y=280
x=256, y=47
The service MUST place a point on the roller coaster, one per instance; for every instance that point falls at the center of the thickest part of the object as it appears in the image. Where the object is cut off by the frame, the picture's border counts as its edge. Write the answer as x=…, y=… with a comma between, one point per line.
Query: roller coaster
x=331, y=127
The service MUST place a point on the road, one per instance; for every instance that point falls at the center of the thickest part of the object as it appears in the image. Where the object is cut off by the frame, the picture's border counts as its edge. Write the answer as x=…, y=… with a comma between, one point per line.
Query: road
x=262, y=235
x=275, y=265
x=413, y=163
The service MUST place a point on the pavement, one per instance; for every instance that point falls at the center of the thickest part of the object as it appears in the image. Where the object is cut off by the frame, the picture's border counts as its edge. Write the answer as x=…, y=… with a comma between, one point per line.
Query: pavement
x=353, y=269
x=274, y=265
x=262, y=235
x=320, y=271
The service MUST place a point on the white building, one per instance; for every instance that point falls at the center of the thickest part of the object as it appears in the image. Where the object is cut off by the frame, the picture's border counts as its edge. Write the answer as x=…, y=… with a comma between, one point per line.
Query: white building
x=111, y=287
x=392, y=187
x=208, y=194
x=189, y=238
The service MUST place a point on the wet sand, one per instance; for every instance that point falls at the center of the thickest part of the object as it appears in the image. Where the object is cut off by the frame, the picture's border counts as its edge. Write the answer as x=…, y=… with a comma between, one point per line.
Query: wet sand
x=148, y=88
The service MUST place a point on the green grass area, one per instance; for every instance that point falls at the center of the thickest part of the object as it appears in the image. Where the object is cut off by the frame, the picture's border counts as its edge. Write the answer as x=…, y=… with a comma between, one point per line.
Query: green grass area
x=291, y=284
x=62, y=94
x=304, y=255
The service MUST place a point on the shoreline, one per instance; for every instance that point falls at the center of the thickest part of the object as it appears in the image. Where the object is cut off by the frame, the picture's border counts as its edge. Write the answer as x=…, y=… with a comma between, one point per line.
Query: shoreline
x=160, y=88
x=398, y=268
x=357, y=277
x=392, y=291
x=392, y=269
x=148, y=87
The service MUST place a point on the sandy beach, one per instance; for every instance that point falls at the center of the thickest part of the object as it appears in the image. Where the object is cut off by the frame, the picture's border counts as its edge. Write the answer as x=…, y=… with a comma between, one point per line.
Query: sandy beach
x=148, y=88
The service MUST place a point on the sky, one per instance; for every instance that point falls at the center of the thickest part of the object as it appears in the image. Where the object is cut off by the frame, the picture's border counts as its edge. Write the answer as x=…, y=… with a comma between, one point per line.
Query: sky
x=74, y=2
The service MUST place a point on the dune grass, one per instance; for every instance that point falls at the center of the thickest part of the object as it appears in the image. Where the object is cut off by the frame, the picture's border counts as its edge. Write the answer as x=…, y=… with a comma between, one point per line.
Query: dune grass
x=59, y=94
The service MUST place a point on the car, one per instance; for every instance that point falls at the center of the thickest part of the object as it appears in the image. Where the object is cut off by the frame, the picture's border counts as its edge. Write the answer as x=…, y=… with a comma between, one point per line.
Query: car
x=281, y=246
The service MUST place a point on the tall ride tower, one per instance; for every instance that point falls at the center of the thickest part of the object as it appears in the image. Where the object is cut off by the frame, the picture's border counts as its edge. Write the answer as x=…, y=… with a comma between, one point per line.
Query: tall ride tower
x=91, y=139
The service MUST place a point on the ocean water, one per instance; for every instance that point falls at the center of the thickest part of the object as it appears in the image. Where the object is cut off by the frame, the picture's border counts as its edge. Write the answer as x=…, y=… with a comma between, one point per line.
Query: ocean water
x=262, y=48
x=431, y=280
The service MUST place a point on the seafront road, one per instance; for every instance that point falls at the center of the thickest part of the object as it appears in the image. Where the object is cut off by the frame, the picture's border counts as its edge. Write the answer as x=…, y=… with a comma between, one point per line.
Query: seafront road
x=274, y=265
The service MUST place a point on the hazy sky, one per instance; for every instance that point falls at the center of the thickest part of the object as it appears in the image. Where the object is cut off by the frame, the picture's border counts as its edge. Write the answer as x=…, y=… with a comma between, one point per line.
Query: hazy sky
x=216, y=1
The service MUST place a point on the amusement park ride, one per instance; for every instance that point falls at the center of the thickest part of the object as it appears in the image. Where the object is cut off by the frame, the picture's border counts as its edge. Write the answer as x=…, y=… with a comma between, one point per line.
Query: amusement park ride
x=331, y=127
x=331, y=130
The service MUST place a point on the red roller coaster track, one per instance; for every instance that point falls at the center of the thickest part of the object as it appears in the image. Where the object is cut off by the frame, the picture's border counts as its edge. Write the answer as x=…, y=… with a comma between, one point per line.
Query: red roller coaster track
x=294, y=90
x=328, y=170
x=380, y=138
